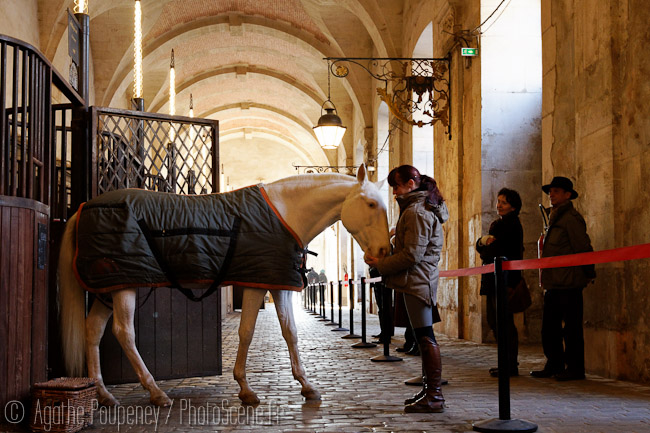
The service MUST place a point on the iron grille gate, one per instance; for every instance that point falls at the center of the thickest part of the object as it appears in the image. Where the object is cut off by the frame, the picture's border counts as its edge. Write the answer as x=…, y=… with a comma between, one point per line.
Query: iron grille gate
x=154, y=152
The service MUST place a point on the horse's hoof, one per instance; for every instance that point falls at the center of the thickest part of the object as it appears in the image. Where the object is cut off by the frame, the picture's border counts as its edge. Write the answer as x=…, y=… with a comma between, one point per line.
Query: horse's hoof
x=108, y=400
x=310, y=394
x=249, y=398
x=161, y=400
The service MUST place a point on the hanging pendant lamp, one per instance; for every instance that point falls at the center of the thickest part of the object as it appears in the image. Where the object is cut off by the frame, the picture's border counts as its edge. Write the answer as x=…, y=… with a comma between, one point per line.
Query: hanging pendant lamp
x=329, y=130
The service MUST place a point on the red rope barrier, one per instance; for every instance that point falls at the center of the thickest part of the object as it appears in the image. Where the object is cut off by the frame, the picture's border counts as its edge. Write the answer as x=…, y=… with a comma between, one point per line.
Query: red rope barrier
x=605, y=256
x=468, y=271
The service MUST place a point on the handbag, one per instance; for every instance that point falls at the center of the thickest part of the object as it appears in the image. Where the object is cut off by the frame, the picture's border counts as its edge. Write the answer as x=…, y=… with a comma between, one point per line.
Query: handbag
x=519, y=297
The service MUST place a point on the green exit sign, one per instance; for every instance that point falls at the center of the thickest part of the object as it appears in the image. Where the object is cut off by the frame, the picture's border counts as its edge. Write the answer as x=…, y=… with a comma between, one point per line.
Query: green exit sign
x=471, y=52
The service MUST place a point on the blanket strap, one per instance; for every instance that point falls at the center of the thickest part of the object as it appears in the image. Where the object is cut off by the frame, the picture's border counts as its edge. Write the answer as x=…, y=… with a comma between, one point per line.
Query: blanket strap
x=167, y=271
x=303, y=266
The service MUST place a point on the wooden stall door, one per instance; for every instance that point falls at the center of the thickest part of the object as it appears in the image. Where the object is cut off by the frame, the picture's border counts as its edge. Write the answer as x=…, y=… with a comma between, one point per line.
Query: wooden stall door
x=23, y=296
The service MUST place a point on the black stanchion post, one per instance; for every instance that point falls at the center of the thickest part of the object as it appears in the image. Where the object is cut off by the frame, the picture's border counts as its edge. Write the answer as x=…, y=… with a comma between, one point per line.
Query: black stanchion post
x=351, y=305
x=309, y=298
x=331, y=322
x=323, y=316
x=340, y=328
x=318, y=299
x=386, y=307
x=313, y=300
x=503, y=423
x=332, y=301
x=363, y=344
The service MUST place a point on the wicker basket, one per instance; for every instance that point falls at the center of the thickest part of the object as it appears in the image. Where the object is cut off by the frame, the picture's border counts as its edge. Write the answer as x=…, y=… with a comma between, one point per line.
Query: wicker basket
x=63, y=404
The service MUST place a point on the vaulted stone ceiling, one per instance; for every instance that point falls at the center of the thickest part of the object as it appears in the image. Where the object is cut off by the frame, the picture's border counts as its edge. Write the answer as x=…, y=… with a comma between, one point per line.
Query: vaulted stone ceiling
x=255, y=65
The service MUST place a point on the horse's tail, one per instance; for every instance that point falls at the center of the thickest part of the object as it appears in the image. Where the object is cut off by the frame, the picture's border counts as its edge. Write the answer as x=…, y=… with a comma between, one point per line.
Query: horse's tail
x=72, y=303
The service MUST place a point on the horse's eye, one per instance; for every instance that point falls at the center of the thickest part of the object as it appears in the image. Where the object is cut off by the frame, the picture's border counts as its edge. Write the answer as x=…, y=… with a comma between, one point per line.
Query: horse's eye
x=372, y=205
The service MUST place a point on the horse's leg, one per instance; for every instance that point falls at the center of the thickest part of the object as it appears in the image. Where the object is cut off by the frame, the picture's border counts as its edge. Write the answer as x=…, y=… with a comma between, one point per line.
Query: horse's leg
x=95, y=326
x=251, y=301
x=124, y=302
x=282, y=300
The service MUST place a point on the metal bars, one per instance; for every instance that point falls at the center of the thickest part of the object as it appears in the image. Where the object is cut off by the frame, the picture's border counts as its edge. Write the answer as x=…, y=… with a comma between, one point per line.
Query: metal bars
x=155, y=152
x=25, y=137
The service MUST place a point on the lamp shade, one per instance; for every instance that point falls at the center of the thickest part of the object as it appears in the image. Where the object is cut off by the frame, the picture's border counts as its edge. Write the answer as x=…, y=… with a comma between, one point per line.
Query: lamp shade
x=329, y=130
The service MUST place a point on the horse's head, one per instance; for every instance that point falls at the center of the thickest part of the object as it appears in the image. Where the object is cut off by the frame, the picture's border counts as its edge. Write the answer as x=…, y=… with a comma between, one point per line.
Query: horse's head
x=364, y=216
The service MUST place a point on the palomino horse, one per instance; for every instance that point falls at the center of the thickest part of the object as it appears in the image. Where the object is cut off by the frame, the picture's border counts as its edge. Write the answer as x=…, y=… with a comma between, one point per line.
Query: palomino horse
x=307, y=204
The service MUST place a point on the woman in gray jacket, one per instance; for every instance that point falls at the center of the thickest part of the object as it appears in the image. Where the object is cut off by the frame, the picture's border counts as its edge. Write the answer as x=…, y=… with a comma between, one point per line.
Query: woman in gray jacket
x=413, y=270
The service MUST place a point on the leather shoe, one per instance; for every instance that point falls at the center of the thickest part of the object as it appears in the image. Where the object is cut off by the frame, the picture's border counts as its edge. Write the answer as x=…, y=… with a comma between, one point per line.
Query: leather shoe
x=494, y=372
x=567, y=375
x=405, y=347
x=546, y=372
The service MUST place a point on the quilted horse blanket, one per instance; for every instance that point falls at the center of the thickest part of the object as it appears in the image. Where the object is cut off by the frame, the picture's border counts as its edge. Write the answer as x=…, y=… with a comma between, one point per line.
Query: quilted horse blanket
x=137, y=238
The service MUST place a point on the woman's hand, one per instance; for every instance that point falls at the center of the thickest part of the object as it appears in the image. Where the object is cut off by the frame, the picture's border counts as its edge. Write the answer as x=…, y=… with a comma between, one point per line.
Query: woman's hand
x=370, y=260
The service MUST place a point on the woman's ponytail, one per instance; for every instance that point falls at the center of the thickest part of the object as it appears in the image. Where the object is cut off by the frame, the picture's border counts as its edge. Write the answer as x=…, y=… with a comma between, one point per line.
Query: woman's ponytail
x=429, y=184
x=404, y=173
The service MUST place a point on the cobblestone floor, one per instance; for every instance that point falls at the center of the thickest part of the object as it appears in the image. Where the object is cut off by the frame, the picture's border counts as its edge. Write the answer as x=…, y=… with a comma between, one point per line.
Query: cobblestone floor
x=363, y=396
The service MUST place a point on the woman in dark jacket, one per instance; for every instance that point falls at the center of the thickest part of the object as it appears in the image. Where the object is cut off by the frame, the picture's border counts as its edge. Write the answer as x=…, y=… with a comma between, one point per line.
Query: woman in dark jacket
x=413, y=270
x=505, y=239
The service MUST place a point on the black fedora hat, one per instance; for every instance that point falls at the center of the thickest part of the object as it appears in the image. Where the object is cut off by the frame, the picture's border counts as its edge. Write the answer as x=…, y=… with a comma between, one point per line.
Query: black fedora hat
x=561, y=182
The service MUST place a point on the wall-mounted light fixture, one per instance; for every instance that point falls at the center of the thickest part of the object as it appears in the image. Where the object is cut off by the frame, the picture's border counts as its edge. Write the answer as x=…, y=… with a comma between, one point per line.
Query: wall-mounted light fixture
x=410, y=85
x=329, y=129
x=311, y=169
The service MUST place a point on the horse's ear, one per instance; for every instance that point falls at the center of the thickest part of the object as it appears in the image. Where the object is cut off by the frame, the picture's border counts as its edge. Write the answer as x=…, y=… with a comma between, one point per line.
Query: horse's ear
x=380, y=184
x=362, y=175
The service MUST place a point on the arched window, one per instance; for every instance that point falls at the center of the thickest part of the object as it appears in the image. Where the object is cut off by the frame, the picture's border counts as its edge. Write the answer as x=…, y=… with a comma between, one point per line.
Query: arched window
x=383, y=147
x=423, y=137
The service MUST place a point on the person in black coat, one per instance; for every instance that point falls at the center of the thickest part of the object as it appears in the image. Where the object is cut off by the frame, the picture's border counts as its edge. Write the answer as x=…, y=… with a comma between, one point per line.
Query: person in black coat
x=505, y=239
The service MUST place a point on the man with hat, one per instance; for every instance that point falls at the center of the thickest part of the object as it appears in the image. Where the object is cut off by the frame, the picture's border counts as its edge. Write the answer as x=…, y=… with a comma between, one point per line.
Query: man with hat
x=566, y=234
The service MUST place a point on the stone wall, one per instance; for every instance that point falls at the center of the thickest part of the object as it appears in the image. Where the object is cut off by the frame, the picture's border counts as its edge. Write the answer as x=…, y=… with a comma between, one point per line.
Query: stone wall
x=19, y=19
x=595, y=131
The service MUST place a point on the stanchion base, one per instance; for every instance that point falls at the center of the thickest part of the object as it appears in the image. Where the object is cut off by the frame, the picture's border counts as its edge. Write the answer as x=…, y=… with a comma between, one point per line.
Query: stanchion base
x=363, y=345
x=340, y=329
x=324, y=319
x=414, y=381
x=386, y=358
x=505, y=425
x=351, y=336
x=331, y=324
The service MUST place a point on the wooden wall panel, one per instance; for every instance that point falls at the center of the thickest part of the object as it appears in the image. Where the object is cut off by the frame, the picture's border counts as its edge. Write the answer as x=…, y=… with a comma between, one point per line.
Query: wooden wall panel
x=23, y=298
